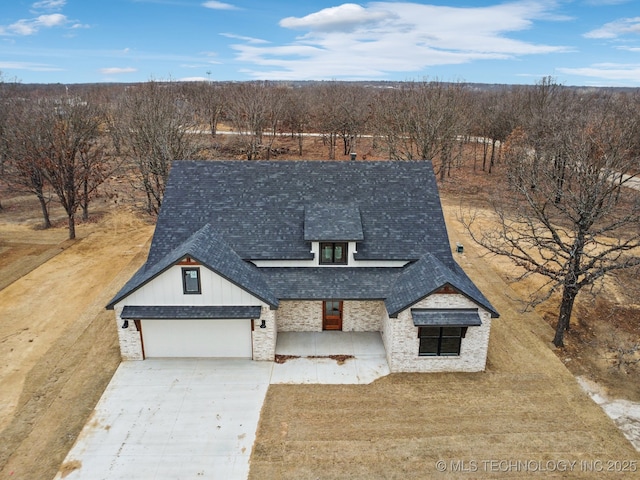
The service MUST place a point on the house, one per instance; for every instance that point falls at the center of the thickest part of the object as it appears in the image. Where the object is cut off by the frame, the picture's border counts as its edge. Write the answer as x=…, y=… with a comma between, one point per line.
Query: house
x=243, y=250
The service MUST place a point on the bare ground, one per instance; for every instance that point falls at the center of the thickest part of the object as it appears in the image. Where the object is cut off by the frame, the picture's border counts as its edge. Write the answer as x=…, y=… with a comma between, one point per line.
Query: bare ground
x=58, y=346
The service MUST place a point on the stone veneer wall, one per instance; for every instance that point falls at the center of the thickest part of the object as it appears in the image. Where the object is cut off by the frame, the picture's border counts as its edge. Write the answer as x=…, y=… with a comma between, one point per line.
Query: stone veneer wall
x=306, y=316
x=401, y=341
x=264, y=339
x=299, y=316
x=362, y=316
x=129, y=338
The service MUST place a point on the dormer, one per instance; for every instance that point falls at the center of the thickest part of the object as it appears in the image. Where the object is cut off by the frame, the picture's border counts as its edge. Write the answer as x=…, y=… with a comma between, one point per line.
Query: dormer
x=333, y=230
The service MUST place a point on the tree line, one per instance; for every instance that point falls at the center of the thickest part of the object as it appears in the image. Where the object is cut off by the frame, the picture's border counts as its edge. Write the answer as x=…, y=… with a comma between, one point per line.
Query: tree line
x=566, y=215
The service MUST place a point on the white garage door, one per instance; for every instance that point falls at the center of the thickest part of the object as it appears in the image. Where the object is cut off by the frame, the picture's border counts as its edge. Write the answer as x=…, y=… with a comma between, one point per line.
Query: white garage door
x=197, y=338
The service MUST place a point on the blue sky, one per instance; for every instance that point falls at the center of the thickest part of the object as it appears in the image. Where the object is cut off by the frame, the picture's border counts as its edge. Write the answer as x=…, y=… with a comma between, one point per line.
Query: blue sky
x=578, y=42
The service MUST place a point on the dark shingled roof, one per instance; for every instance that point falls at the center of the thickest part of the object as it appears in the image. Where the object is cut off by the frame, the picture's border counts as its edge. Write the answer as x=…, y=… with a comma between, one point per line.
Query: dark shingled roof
x=225, y=214
x=323, y=283
x=327, y=221
x=258, y=207
x=424, y=277
x=163, y=312
x=445, y=317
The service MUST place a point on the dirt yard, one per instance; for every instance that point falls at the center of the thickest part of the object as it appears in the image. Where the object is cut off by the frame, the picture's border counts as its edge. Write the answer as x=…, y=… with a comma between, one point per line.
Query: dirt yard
x=58, y=350
x=58, y=346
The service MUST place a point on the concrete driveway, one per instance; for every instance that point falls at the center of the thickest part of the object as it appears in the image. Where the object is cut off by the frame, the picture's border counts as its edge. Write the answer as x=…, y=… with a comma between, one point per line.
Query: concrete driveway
x=170, y=419
x=173, y=419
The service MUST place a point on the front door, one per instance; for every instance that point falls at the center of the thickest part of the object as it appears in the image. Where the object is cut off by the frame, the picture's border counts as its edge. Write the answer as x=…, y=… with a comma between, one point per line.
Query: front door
x=332, y=315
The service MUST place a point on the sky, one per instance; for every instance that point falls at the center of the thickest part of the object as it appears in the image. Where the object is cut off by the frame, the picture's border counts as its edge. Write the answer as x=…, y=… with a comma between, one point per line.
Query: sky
x=577, y=42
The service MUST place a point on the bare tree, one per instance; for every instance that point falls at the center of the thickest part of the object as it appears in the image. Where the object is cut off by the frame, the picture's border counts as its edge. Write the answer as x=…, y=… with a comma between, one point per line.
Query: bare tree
x=568, y=214
x=495, y=118
x=8, y=101
x=255, y=108
x=353, y=111
x=25, y=149
x=73, y=157
x=153, y=126
x=4, y=107
x=209, y=100
x=422, y=121
x=296, y=115
x=275, y=99
x=341, y=111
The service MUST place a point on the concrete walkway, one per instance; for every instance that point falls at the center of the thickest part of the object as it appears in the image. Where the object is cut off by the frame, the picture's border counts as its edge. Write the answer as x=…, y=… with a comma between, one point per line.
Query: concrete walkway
x=168, y=419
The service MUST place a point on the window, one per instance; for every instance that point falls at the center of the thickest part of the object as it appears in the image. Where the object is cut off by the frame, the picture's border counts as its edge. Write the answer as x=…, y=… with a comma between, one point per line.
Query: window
x=191, y=281
x=333, y=253
x=440, y=341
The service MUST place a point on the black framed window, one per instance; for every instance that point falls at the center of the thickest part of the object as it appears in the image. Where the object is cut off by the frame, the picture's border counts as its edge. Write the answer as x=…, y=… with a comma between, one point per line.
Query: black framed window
x=333, y=253
x=191, y=281
x=440, y=341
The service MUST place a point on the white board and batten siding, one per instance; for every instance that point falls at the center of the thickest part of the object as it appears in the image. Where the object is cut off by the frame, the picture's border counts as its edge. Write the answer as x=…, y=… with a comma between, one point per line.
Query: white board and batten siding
x=166, y=289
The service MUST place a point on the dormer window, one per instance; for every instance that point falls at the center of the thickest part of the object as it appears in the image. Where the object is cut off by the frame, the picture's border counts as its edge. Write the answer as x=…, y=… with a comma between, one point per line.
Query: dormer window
x=191, y=281
x=328, y=221
x=333, y=253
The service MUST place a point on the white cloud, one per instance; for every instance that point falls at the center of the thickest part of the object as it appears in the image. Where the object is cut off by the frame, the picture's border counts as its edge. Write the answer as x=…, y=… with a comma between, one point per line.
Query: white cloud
x=219, y=5
x=53, y=20
x=117, y=70
x=243, y=38
x=33, y=67
x=193, y=79
x=49, y=4
x=616, y=28
x=352, y=41
x=347, y=16
x=31, y=26
x=608, y=71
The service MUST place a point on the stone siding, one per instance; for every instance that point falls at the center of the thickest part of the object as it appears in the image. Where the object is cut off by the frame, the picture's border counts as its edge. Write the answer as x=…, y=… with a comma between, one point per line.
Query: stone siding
x=387, y=335
x=362, y=316
x=401, y=341
x=299, y=316
x=129, y=338
x=264, y=339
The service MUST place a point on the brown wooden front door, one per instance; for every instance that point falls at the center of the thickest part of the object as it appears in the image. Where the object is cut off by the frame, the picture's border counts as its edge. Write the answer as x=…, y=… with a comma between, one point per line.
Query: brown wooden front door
x=332, y=315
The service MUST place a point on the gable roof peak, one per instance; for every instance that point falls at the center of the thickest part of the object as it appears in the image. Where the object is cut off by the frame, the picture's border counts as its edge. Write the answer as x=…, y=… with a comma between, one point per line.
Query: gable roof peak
x=425, y=277
x=207, y=247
